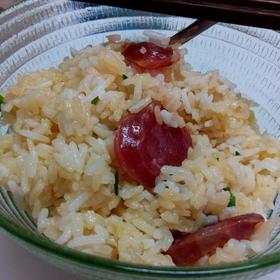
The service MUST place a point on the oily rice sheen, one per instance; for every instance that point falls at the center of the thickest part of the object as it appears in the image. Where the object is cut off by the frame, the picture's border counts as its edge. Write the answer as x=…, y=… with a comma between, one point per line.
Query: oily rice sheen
x=59, y=160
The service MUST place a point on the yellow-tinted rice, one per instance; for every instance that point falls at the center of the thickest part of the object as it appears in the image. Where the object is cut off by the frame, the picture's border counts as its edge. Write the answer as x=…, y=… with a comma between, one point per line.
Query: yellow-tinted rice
x=58, y=160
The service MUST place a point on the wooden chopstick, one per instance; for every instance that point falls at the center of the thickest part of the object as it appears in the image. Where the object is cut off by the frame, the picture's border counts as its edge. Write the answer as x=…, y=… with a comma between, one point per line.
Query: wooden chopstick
x=266, y=4
x=257, y=13
x=191, y=31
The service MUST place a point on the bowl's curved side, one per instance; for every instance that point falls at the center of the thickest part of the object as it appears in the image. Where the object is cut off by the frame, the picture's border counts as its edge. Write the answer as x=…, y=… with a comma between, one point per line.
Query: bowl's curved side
x=92, y=267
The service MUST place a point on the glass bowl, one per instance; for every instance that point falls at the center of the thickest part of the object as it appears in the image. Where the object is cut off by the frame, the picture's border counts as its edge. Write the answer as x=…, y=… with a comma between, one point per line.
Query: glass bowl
x=38, y=34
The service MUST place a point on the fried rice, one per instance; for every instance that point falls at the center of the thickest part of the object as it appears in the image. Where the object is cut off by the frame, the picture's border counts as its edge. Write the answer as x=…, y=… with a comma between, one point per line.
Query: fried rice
x=59, y=159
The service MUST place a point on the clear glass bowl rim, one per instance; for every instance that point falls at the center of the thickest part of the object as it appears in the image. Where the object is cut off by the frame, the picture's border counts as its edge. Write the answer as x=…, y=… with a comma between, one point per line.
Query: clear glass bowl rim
x=145, y=270
x=41, y=243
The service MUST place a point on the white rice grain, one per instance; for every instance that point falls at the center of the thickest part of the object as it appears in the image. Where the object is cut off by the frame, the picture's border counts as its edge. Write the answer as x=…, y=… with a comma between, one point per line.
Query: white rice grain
x=140, y=105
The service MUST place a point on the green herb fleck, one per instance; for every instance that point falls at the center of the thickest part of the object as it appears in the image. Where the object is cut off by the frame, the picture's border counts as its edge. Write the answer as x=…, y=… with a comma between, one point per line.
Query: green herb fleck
x=1, y=101
x=216, y=156
x=124, y=77
x=116, y=184
x=237, y=153
x=232, y=198
x=232, y=201
x=252, y=117
x=95, y=100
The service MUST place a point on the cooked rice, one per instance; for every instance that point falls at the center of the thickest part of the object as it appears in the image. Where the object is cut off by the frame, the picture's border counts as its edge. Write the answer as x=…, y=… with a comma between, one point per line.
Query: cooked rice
x=59, y=160
x=157, y=38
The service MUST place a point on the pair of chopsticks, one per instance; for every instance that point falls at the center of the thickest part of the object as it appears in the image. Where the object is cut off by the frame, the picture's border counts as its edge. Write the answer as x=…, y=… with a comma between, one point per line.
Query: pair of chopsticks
x=259, y=13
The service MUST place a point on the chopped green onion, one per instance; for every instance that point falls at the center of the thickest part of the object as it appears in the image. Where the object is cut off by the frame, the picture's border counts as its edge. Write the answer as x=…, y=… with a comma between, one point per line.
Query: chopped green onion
x=252, y=117
x=232, y=201
x=2, y=101
x=216, y=156
x=116, y=184
x=95, y=100
x=124, y=77
x=232, y=198
x=237, y=153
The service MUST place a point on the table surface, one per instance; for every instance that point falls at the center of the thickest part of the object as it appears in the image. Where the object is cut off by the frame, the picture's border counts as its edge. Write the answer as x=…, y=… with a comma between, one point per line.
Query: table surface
x=18, y=264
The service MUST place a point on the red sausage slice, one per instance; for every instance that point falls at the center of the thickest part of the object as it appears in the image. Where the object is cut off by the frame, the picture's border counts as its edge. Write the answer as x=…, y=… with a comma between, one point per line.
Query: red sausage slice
x=142, y=146
x=150, y=56
x=188, y=249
